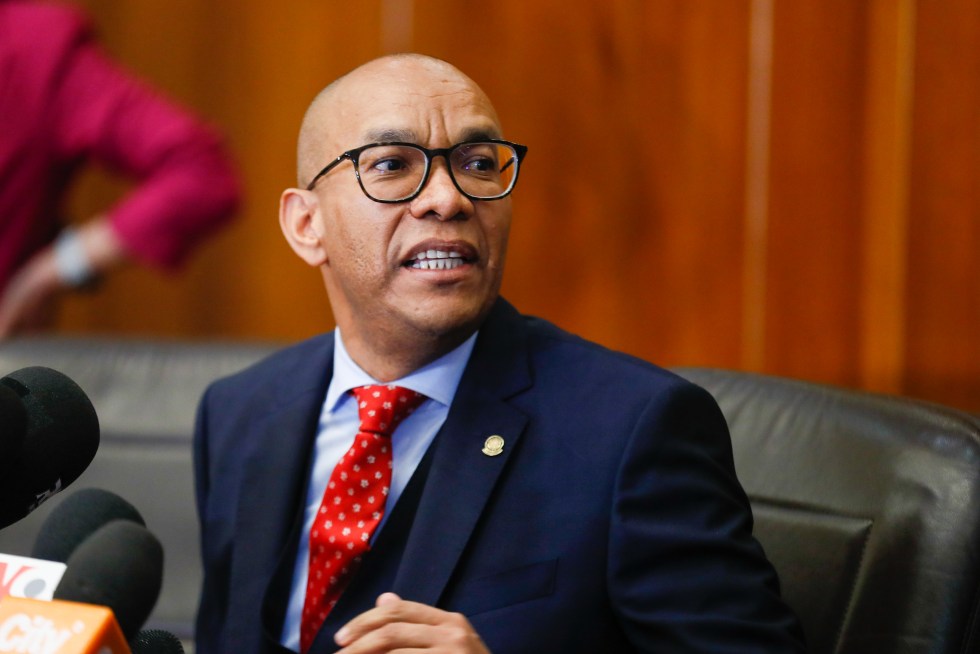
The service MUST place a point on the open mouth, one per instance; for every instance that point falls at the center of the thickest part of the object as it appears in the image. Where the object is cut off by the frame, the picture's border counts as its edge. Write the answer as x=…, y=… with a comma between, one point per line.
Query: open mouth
x=437, y=260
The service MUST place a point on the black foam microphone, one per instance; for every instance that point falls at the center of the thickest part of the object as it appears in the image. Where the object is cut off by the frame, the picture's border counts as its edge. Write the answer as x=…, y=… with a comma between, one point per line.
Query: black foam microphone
x=60, y=440
x=13, y=425
x=156, y=641
x=119, y=566
x=79, y=516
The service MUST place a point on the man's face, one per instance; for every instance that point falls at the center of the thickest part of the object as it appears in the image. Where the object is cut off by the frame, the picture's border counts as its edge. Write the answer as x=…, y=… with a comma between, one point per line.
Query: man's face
x=377, y=288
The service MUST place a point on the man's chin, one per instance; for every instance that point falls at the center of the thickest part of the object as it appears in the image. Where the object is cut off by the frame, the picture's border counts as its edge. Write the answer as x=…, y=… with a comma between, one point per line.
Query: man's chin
x=453, y=318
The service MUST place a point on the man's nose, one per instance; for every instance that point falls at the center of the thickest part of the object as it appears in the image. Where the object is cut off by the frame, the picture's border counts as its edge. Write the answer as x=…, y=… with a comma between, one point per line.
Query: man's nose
x=439, y=197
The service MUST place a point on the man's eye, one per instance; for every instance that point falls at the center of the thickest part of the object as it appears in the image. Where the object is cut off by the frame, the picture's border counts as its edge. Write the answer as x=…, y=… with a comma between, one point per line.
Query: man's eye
x=389, y=165
x=479, y=165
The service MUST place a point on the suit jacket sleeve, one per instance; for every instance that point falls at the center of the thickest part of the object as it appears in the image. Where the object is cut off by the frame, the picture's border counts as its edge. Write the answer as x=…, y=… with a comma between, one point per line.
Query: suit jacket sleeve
x=186, y=186
x=685, y=573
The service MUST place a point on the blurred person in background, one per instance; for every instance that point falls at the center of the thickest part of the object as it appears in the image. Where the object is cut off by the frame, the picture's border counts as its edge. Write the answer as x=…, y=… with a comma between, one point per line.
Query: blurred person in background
x=65, y=103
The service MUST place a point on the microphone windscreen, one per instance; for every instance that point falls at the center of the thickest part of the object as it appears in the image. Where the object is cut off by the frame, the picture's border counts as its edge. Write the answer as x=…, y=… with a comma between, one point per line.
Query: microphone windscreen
x=77, y=518
x=119, y=566
x=61, y=439
x=156, y=641
x=13, y=424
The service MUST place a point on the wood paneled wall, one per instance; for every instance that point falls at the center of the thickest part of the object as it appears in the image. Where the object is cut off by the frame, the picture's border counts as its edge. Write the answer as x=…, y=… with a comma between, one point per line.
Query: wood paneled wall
x=791, y=187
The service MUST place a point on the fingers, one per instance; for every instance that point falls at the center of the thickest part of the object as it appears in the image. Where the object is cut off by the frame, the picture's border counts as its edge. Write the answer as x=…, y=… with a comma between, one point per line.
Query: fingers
x=389, y=609
x=397, y=625
x=25, y=302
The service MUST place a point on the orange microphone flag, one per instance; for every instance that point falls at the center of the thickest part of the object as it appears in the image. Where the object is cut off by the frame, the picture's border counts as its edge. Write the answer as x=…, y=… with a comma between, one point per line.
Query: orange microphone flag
x=58, y=627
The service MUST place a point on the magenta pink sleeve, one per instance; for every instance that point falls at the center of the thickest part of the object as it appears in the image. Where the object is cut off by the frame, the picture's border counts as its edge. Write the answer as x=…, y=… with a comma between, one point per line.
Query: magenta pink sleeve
x=186, y=186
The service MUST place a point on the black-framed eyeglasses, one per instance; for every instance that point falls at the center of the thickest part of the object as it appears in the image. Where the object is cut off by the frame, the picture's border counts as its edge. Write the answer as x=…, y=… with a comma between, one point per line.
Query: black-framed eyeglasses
x=397, y=172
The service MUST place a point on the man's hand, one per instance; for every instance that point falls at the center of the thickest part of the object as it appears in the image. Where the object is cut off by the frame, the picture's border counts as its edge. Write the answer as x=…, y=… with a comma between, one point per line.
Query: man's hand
x=396, y=625
x=26, y=302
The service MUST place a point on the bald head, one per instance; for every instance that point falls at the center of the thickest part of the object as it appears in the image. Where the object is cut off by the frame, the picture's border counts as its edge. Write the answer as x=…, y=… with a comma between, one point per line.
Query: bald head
x=326, y=124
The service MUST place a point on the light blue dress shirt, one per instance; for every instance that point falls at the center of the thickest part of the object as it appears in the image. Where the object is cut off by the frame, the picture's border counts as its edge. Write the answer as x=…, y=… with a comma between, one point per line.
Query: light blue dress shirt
x=339, y=423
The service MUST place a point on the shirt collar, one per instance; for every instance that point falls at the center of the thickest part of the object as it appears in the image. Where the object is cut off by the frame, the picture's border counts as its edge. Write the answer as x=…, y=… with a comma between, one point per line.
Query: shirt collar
x=437, y=380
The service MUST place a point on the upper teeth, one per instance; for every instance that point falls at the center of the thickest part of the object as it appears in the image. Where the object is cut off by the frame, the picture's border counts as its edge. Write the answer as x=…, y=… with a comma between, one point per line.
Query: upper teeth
x=438, y=254
x=437, y=259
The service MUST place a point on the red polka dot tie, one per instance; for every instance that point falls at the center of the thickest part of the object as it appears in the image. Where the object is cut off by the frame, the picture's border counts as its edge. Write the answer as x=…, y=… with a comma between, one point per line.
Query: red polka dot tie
x=353, y=502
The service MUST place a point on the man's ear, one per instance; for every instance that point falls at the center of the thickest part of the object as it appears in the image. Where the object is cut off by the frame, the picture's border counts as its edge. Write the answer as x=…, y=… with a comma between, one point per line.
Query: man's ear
x=298, y=210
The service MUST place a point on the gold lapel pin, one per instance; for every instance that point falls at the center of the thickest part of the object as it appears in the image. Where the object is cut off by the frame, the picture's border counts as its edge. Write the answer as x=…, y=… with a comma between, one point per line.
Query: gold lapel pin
x=493, y=446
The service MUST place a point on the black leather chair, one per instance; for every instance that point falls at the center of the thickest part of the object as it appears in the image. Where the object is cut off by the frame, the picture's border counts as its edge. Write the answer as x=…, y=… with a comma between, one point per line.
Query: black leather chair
x=867, y=505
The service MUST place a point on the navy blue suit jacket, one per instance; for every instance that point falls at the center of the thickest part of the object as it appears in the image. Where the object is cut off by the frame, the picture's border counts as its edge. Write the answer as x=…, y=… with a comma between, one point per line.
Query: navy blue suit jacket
x=611, y=522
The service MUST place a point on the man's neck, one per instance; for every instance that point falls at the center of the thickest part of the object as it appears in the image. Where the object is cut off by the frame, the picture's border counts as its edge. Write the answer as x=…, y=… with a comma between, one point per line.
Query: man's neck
x=398, y=359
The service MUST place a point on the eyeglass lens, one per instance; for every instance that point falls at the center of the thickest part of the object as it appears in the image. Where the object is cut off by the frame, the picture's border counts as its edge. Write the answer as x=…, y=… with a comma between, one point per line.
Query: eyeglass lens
x=395, y=172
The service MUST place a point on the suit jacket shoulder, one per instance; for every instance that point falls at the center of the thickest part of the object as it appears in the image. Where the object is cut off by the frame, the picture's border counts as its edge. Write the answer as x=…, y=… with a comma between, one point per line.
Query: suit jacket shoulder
x=547, y=342
x=287, y=371
x=612, y=520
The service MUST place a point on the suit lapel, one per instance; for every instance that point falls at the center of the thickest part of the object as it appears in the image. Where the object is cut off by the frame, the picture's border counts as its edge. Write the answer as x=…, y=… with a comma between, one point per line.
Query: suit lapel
x=462, y=476
x=275, y=474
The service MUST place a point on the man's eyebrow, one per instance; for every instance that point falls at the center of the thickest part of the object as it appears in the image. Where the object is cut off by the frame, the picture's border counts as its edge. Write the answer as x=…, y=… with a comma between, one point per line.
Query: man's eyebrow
x=388, y=135
x=480, y=134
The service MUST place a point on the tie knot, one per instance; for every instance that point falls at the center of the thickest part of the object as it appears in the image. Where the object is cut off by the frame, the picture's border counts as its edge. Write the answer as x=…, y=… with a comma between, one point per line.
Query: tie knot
x=382, y=407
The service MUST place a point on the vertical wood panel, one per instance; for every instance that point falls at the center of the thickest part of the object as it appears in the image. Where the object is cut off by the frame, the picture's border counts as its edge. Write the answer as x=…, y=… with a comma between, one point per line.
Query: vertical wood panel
x=814, y=253
x=757, y=155
x=797, y=193
x=943, y=351
x=887, y=143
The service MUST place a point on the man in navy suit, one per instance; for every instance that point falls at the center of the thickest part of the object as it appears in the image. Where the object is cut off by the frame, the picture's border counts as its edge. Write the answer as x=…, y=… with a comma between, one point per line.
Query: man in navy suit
x=548, y=495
